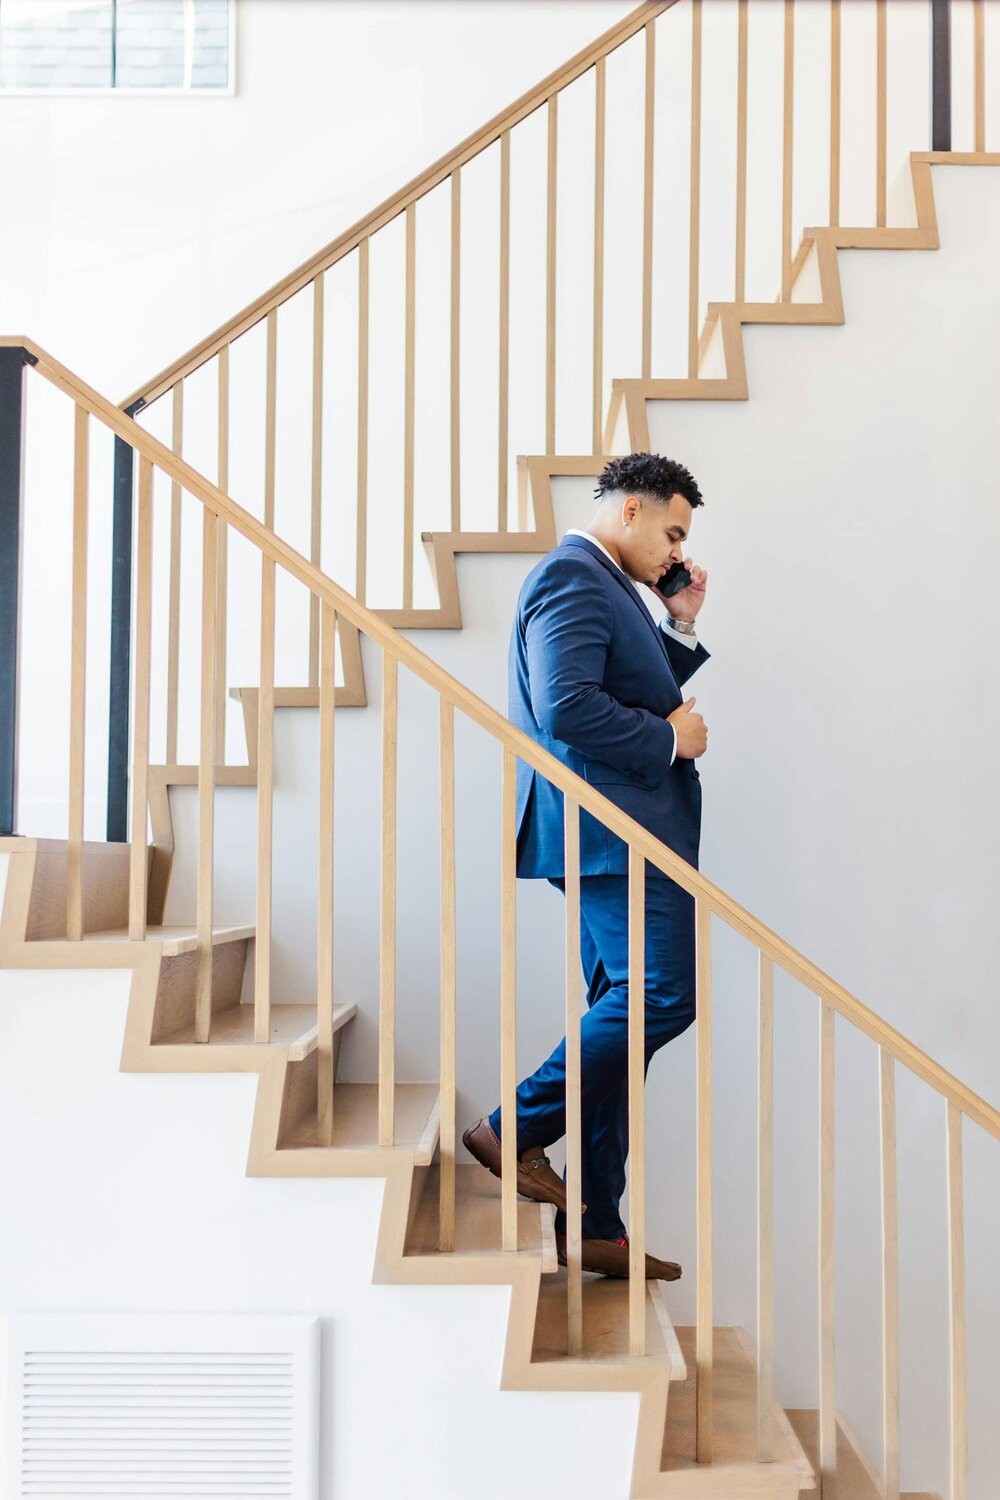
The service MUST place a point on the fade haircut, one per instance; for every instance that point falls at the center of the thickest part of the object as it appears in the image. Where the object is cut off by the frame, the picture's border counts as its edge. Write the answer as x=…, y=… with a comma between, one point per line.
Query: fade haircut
x=648, y=474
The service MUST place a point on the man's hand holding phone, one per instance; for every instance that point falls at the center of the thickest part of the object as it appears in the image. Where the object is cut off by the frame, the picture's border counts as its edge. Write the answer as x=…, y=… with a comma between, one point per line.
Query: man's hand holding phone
x=682, y=588
x=692, y=736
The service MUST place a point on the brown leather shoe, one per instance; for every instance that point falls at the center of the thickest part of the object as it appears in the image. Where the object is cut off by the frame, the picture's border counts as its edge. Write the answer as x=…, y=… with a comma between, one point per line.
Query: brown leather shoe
x=610, y=1257
x=535, y=1177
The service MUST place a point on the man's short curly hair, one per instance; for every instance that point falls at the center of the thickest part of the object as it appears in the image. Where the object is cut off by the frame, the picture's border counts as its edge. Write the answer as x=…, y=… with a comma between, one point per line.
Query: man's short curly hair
x=648, y=474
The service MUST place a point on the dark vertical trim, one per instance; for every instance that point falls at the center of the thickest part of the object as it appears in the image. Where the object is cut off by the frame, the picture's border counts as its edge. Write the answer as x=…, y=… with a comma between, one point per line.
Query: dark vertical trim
x=12, y=362
x=114, y=43
x=940, y=75
x=121, y=641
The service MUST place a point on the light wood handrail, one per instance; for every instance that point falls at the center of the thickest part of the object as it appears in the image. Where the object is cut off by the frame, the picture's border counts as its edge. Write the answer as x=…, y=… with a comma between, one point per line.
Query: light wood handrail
x=473, y=144
x=715, y=900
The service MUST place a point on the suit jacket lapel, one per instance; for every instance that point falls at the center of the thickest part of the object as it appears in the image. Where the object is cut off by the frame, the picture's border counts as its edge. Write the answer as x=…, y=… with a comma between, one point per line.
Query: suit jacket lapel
x=624, y=582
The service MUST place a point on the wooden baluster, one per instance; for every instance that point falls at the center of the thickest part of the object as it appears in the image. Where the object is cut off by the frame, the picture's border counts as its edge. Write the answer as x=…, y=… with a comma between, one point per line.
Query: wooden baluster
x=550, y=284
x=599, y=138
x=786, y=153
x=456, y=383
x=508, y=1002
x=174, y=606
x=270, y=416
x=408, y=403
x=979, y=73
x=890, y=1275
x=636, y=1102
x=834, y=113
x=324, y=904
x=138, y=872
x=574, y=1115
x=78, y=679
x=827, y=1296
x=703, y=1113
x=503, y=431
x=647, y=199
x=387, y=940
x=956, y=1304
x=765, y=1208
x=361, y=565
x=265, y=713
x=222, y=608
x=880, y=112
x=265, y=805
x=741, y=152
x=446, y=1189
x=206, y=777
x=316, y=499
x=694, y=232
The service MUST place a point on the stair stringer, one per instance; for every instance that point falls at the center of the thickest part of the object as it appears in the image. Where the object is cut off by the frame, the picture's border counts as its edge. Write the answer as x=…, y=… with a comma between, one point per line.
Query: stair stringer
x=629, y=397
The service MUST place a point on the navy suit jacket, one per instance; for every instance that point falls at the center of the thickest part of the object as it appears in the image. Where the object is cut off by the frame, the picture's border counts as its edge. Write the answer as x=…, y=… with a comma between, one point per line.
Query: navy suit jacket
x=592, y=679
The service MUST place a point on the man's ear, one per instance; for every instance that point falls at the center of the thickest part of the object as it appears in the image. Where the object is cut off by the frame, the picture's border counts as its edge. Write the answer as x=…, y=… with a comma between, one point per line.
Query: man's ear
x=631, y=507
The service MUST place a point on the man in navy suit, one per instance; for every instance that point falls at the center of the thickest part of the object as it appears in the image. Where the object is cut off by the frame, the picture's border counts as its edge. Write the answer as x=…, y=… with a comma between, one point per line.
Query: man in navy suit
x=597, y=682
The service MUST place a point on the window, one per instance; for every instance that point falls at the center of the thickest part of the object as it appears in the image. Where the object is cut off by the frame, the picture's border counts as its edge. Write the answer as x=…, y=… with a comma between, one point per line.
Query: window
x=181, y=46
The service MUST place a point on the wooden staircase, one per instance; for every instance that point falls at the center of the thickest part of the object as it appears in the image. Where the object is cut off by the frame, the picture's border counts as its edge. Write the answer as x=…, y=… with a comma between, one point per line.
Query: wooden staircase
x=159, y=1037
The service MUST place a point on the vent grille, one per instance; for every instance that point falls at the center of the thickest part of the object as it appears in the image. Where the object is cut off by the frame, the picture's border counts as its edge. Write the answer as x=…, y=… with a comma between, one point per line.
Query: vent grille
x=230, y=1419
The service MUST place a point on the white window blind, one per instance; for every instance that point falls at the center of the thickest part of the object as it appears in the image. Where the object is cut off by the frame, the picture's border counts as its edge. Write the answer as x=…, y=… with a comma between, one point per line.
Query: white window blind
x=177, y=45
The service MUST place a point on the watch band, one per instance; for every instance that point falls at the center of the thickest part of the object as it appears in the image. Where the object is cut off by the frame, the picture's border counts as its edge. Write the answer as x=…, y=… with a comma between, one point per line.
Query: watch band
x=686, y=627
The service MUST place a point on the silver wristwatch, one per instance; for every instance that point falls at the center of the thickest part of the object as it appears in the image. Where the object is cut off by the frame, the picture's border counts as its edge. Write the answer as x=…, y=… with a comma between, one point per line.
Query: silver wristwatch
x=686, y=627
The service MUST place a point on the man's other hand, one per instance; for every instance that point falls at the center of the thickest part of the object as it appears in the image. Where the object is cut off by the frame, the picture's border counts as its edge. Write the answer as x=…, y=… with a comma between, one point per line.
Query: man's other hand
x=692, y=736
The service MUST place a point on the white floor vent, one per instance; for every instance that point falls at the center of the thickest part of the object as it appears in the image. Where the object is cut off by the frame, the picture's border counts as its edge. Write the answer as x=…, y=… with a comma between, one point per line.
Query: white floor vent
x=163, y=1406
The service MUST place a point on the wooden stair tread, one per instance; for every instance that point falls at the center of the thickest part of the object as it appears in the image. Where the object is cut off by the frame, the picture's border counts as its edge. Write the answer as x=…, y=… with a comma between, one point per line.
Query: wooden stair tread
x=477, y=1219
x=605, y=1322
x=355, y=1120
x=292, y=1026
x=857, y=1478
x=734, y=1408
x=179, y=937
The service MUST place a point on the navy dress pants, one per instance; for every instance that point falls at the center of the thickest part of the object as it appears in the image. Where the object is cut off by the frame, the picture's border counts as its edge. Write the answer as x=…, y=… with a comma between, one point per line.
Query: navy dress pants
x=669, y=1007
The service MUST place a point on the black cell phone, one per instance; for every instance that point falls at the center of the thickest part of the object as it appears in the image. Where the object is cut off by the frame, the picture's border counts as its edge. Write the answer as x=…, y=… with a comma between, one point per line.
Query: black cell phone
x=674, y=579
